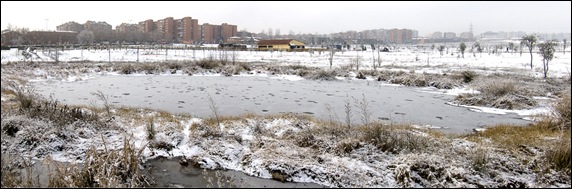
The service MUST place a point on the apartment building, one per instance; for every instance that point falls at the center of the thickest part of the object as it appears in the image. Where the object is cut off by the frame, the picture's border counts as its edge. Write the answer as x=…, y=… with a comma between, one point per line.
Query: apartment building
x=207, y=33
x=147, y=26
x=70, y=26
x=98, y=26
x=124, y=27
x=399, y=36
x=166, y=27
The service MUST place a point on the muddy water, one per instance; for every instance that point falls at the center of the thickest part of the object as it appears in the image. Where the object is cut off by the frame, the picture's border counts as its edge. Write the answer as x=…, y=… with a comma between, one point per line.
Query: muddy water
x=169, y=173
x=264, y=95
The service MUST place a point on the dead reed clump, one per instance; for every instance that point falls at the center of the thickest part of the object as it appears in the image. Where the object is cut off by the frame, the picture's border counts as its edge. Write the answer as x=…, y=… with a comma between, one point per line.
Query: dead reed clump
x=415, y=80
x=393, y=138
x=346, y=146
x=499, y=88
x=208, y=64
x=479, y=158
x=18, y=173
x=127, y=69
x=322, y=75
x=559, y=155
x=499, y=93
x=466, y=76
x=109, y=168
x=562, y=110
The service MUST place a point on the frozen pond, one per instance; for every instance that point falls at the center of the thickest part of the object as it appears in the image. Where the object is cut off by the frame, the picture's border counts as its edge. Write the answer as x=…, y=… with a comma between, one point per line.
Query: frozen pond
x=270, y=95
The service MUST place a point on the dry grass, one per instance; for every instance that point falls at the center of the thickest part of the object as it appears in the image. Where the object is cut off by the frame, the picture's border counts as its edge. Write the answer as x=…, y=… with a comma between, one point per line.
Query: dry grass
x=499, y=88
x=513, y=136
x=322, y=75
x=150, y=127
x=417, y=80
x=562, y=109
x=208, y=64
x=559, y=156
x=18, y=173
x=393, y=138
x=479, y=158
x=110, y=168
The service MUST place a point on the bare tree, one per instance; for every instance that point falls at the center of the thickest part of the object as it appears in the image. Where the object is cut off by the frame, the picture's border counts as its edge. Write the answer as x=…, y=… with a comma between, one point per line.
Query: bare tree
x=441, y=49
x=511, y=46
x=547, y=50
x=85, y=37
x=234, y=56
x=529, y=41
x=357, y=61
x=462, y=46
x=332, y=52
x=565, y=45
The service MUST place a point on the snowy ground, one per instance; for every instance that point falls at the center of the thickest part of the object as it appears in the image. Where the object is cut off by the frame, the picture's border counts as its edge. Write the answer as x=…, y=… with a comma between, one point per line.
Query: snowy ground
x=407, y=59
x=280, y=145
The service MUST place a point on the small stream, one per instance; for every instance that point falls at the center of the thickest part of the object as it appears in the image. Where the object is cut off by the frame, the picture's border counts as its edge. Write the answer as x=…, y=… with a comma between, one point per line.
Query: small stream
x=169, y=173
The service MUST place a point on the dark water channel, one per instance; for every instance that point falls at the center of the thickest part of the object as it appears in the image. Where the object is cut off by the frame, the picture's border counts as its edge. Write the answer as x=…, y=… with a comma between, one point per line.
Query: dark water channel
x=169, y=173
x=263, y=95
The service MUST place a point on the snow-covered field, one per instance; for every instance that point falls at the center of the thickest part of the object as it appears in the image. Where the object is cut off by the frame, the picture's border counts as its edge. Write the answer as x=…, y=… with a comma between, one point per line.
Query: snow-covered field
x=417, y=59
x=277, y=145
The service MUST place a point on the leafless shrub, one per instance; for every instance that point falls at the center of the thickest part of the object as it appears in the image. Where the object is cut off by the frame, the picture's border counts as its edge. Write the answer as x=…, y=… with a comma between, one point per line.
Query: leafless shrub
x=348, y=111
x=331, y=114
x=363, y=107
x=214, y=109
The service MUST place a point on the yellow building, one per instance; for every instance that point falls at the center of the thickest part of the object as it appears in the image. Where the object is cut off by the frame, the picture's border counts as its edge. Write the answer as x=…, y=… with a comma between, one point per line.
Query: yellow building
x=280, y=44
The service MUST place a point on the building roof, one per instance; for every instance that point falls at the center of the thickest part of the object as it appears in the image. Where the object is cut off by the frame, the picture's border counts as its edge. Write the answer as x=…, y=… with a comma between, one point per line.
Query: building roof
x=275, y=42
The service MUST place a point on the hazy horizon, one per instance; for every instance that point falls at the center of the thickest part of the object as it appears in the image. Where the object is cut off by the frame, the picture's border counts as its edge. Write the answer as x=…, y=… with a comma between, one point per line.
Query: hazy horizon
x=306, y=17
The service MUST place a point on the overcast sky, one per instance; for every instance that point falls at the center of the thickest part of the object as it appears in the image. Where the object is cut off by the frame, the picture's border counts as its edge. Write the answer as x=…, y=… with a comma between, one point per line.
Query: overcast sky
x=306, y=17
